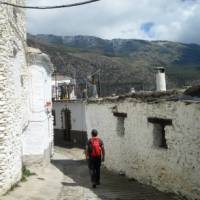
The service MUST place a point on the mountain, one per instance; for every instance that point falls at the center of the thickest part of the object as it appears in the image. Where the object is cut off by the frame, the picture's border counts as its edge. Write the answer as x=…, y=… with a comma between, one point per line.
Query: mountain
x=124, y=63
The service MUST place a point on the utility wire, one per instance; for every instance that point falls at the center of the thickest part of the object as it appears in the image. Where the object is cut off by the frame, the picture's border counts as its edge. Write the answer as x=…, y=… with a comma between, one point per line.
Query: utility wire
x=48, y=7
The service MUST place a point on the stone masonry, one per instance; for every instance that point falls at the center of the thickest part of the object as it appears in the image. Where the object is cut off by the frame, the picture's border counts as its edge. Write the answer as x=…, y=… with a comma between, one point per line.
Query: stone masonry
x=13, y=93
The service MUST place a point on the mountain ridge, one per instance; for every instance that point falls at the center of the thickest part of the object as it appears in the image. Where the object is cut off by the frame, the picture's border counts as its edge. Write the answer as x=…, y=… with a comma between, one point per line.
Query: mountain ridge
x=124, y=63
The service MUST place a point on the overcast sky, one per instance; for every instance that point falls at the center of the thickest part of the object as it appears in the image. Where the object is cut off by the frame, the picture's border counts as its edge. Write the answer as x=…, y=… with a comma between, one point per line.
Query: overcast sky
x=175, y=20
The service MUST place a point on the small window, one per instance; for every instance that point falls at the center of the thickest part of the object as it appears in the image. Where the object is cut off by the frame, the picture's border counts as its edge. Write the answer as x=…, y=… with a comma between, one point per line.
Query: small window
x=120, y=126
x=120, y=122
x=159, y=137
x=54, y=117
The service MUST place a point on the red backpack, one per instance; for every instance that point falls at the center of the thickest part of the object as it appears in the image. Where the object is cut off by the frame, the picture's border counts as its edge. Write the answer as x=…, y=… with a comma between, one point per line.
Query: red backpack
x=95, y=147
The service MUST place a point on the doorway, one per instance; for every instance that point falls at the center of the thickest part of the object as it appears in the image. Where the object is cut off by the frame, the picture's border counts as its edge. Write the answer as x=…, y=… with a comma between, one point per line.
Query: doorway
x=66, y=124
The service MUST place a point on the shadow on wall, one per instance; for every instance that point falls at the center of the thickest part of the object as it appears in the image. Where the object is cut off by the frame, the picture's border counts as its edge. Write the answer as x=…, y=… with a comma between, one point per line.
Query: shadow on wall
x=113, y=186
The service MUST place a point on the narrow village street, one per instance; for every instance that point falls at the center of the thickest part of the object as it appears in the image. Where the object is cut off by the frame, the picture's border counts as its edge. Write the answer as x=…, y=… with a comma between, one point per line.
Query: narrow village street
x=67, y=179
x=123, y=74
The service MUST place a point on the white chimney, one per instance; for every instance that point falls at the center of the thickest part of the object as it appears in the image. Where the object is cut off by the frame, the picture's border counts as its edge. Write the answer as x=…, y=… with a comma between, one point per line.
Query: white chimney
x=160, y=79
x=72, y=95
x=95, y=94
x=132, y=90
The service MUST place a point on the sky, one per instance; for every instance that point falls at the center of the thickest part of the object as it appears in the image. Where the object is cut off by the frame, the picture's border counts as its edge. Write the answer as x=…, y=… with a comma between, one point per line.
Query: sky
x=174, y=20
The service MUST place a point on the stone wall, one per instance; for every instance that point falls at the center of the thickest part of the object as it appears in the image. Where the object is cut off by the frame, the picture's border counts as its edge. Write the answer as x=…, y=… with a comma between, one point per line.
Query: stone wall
x=132, y=132
x=13, y=93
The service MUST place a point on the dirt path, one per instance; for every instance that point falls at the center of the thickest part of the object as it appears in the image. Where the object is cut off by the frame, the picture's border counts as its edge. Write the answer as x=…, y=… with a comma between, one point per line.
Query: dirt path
x=67, y=178
x=76, y=183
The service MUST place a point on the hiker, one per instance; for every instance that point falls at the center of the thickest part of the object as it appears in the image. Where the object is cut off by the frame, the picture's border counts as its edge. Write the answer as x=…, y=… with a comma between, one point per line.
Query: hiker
x=95, y=154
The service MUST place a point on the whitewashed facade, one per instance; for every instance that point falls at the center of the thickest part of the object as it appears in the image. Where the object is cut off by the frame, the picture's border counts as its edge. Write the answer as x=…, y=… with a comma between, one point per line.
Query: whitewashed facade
x=131, y=129
x=38, y=135
x=21, y=98
x=13, y=93
x=76, y=121
x=77, y=109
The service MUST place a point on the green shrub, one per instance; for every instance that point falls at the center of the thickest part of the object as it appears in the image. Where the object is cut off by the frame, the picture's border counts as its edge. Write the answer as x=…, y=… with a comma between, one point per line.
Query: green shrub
x=26, y=173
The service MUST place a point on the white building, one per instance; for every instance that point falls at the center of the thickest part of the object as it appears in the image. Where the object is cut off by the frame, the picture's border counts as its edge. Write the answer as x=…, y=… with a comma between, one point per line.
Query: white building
x=70, y=123
x=38, y=135
x=63, y=87
x=13, y=93
x=24, y=93
x=151, y=137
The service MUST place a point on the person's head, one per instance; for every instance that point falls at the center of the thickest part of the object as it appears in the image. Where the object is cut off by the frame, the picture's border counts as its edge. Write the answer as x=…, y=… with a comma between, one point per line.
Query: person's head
x=94, y=132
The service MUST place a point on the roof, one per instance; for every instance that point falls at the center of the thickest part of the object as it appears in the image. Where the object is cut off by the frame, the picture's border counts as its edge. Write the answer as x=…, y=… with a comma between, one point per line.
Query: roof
x=150, y=97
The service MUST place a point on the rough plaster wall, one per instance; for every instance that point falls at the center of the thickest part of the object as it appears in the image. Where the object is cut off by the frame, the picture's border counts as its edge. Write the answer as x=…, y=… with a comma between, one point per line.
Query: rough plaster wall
x=175, y=169
x=13, y=93
x=38, y=136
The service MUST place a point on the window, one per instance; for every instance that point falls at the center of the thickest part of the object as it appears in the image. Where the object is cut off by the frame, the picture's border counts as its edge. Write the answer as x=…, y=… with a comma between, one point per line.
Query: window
x=159, y=137
x=120, y=126
x=54, y=117
x=120, y=122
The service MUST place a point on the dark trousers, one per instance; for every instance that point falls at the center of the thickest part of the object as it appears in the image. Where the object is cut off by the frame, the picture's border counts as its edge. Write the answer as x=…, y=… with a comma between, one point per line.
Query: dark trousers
x=94, y=168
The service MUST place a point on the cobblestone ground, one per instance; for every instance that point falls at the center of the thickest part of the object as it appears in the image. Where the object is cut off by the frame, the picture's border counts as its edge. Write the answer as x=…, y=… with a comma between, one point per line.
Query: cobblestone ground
x=76, y=182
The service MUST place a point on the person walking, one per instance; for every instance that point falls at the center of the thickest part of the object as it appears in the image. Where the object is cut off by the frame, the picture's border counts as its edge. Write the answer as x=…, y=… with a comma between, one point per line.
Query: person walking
x=95, y=154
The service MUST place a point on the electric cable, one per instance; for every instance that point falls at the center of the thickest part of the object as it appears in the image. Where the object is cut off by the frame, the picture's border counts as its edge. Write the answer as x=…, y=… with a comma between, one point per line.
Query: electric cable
x=49, y=7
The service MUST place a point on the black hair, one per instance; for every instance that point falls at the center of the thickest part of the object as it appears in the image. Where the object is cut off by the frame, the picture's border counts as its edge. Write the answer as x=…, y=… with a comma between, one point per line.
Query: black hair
x=94, y=132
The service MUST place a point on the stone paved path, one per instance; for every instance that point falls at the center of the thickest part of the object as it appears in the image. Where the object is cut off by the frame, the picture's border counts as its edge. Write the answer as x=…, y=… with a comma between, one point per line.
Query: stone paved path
x=67, y=178
x=76, y=183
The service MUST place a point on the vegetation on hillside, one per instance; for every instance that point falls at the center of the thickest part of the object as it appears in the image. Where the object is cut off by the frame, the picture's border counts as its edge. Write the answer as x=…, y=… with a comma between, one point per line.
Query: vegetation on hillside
x=124, y=63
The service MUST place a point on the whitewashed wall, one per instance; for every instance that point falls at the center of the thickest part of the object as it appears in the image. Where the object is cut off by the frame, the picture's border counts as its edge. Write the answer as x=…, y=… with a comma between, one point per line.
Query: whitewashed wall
x=38, y=136
x=175, y=169
x=13, y=93
x=77, y=108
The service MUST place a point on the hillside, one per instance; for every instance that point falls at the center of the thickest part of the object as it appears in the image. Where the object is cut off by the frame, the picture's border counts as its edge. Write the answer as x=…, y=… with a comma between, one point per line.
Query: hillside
x=123, y=63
